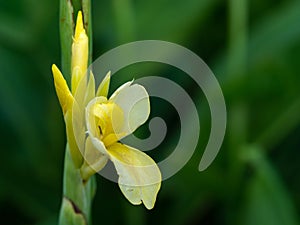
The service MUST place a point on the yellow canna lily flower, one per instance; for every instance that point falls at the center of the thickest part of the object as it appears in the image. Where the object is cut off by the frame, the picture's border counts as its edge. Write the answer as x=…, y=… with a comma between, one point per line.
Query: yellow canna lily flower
x=106, y=122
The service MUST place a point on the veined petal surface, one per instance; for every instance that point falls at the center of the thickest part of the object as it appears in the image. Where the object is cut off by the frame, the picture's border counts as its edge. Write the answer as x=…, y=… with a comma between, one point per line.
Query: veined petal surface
x=135, y=104
x=139, y=176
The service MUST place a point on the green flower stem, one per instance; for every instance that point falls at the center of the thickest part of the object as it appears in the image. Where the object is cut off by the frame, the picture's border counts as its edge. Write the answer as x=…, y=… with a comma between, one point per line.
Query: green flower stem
x=77, y=195
x=66, y=30
x=238, y=119
x=77, y=199
x=237, y=66
x=87, y=12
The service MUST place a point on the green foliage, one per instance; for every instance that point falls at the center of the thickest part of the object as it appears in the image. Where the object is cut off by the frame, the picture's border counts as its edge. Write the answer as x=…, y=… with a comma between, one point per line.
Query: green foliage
x=267, y=201
x=254, y=179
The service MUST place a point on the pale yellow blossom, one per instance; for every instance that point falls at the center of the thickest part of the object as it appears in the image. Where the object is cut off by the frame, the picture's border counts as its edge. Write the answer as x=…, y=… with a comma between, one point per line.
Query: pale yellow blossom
x=106, y=122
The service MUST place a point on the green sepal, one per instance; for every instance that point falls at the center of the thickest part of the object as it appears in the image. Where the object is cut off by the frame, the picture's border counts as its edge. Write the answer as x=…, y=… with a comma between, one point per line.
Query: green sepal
x=66, y=27
x=73, y=146
x=69, y=214
x=87, y=17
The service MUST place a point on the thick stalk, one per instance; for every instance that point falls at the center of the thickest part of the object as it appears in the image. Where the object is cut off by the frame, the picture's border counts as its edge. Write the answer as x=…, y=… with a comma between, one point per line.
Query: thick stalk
x=238, y=117
x=77, y=195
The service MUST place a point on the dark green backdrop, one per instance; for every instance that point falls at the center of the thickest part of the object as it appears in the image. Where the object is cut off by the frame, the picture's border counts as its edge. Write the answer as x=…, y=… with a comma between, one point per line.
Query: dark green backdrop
x=253, y=47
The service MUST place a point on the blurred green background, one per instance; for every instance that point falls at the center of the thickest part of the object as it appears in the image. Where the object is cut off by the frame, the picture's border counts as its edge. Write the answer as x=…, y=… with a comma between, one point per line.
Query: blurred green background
x=253, y=47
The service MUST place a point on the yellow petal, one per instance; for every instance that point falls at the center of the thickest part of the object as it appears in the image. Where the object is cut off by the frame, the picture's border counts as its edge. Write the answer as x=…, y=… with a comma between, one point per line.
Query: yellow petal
x=79, y=53
x=94, y=160
x=110, y=139
x=106, y=113
x=78, y=79
x=85, y=91
x=90, y=90
x=90, y=118
x=139, y=176
x=62, y=90
x=66, y=101
x=104, y=86
x=73, y=143
x=79, y=29
x=135, y=104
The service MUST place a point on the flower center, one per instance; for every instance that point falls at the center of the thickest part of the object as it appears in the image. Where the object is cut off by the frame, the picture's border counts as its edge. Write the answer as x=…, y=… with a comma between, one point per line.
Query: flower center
x=109, y=119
